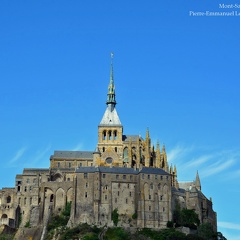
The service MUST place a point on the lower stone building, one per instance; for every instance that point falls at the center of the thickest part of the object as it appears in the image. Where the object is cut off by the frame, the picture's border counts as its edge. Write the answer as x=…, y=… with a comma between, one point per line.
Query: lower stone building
x=124, y=172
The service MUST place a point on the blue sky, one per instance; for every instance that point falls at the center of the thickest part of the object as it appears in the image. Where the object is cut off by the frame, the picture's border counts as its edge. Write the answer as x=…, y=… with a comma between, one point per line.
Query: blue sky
x=175, y=74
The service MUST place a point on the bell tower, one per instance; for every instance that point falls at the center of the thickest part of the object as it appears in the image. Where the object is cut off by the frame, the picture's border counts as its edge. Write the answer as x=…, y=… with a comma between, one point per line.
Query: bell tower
x=110, y=129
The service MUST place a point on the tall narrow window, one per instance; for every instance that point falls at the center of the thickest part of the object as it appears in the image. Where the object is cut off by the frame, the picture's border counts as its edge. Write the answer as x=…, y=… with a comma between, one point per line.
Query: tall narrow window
x=110, y=135
x=8, y=199
x=115, y=135
x=104, y=135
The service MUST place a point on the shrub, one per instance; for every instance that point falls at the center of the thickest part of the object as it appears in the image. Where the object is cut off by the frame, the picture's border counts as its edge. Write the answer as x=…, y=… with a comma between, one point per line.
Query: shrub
x=134, y=216
x=115, y=216
x=27, y=225
x=170, y=224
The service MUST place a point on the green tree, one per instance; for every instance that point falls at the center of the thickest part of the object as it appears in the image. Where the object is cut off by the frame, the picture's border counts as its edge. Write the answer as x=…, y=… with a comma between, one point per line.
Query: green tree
x=115, y=216
x=185, y=217
x=177, y=218
x=205, y=231
x=189, y=218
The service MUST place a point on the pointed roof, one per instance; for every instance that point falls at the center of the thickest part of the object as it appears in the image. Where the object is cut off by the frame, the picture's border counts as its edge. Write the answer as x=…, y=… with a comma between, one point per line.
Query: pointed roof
x=111, y=88
x=110, y=117
x=197, y=182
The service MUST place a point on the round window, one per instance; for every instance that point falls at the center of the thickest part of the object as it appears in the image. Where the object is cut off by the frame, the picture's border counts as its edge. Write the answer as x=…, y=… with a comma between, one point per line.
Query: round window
x=109, y=160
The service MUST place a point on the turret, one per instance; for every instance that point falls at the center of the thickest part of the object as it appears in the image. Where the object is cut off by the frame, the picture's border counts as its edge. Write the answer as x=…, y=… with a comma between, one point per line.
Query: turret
x=158, y=155
x=148, y=146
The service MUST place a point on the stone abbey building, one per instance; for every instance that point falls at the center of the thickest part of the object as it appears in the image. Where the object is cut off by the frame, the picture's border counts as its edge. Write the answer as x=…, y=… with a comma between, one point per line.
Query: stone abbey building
x=125, y=172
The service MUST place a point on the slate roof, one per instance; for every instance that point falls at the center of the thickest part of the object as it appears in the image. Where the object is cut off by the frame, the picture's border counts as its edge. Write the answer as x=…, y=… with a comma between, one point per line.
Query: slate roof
x=134, y=138
x=186, y=185
x=121, y=170
x=110, y=118
x=31, y=170
x=149, y=170
x=73, y=154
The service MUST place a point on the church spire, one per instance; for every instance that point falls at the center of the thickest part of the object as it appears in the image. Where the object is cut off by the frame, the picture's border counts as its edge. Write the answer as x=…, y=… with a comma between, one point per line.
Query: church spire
x=110, y=116
x=197, y=182
x=111, y=101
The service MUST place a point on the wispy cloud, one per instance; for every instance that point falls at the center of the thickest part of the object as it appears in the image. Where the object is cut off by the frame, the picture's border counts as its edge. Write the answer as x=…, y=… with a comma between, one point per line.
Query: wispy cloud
x=78, y=147
x=229, y=225
x=18, y=155
x=217, y=167
x=203, y=159
x=198, y=161
x=177, y=153
x=42, y=154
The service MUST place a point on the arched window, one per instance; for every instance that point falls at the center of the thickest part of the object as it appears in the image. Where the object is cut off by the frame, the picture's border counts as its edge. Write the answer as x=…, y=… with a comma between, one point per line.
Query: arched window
x=125, y=155
x=104, y=135
x=110, y=135
x=51, y=198
x=8, y=199
x=115, y=135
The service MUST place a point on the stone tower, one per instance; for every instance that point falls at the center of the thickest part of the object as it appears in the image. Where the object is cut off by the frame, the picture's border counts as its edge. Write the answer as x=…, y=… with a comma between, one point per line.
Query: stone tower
x=110, y=130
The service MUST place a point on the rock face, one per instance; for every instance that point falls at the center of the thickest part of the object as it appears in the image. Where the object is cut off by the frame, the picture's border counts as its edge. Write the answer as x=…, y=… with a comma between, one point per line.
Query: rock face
x=125, y=172
x=28, y=233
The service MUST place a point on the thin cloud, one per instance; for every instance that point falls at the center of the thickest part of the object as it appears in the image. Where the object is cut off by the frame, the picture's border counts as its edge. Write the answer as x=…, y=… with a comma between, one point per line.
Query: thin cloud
x=41, y=155
x=217, y=167
x=199, y=161
x=177, y=153
x=229, y=225
x=78, y=147
x=18, y=155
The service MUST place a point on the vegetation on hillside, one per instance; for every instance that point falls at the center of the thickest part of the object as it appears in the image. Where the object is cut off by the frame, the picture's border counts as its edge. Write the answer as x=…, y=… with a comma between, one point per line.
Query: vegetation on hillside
x=57, y=227
x=185, y=217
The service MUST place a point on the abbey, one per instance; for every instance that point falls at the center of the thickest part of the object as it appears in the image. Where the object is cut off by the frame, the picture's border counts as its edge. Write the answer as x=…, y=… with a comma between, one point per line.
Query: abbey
x=124, y=172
